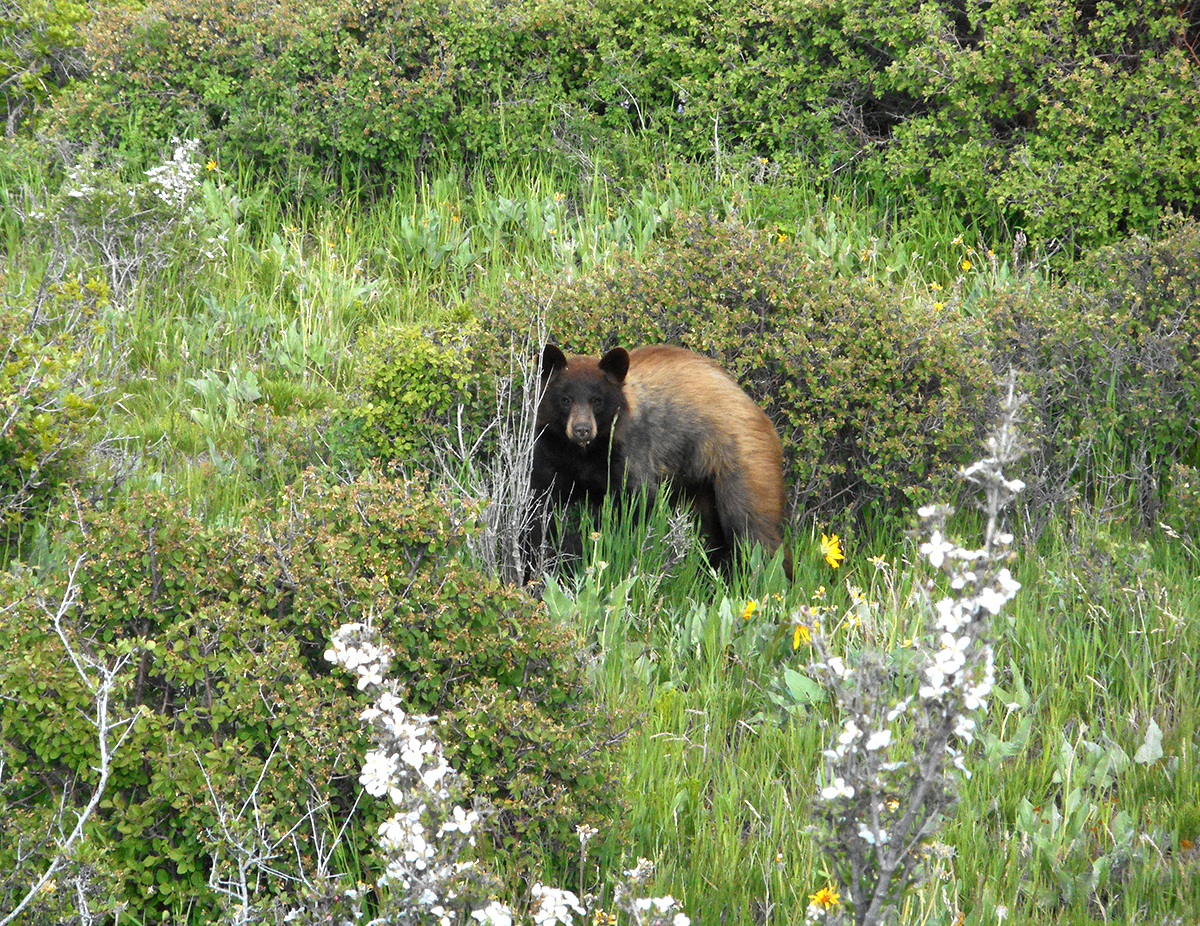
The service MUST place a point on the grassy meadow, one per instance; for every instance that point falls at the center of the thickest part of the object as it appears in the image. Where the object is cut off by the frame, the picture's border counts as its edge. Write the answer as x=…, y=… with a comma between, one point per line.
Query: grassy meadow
x=223, y=337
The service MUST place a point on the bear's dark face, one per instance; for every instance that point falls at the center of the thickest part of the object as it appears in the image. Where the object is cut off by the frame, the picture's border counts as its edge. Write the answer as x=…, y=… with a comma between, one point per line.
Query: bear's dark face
x=580, y=396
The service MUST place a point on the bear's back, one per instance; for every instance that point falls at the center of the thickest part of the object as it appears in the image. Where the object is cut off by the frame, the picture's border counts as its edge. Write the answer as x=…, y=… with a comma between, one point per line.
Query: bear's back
x=688, y=417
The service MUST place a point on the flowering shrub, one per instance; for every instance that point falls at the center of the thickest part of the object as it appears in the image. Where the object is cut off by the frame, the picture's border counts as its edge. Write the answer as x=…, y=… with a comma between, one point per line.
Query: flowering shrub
x=887, y=777
x=429, y=831
x=134, y=228
x=251, y=786
x=426, y=878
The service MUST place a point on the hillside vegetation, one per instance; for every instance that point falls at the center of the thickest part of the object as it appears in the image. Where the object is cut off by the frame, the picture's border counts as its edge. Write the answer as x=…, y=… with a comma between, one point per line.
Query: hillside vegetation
x=273, y=280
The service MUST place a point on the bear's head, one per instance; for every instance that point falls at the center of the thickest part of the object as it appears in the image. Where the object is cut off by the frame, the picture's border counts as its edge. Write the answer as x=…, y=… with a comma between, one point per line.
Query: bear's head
x=581, y=396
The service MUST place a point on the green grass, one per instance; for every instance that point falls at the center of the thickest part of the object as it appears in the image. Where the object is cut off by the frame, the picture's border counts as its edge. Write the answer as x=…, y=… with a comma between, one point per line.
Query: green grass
x=719, y=779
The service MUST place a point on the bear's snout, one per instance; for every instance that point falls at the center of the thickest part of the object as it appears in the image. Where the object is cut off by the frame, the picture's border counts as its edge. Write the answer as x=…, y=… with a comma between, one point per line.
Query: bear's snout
x=581, y=428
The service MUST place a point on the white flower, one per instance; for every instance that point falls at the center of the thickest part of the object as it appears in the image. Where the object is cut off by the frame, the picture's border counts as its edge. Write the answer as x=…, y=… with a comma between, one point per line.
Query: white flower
x=953, y=654
x=555, y=906
x=936, y=687
x=849, y=734
x=950, y=615
x=962, y=579
x=882, y=838
x=900, y=708
x=681, y=920
x=990, y=600
x=662, y=904
x=936, y=549
x=433, y=777
x=838, y=789
x=838, y=667
x=460, y=821
x=878, y=740
x=377, y=772
x=494, y=914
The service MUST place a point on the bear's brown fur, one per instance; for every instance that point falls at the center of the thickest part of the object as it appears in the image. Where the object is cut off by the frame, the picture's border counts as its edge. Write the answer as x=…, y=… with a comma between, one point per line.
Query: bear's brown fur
x=633, y=420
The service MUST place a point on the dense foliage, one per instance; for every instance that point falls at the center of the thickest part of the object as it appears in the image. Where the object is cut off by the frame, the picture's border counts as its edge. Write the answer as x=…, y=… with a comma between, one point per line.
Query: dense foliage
x=1072, y=121
x=239, y=729
x=205, y=357
x=40, y=51
x=48, y=392
x=1112, y=362
x=870, y=424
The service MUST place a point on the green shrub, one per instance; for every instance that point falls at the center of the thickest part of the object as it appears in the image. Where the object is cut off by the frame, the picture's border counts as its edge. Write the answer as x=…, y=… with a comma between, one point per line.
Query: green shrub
x=1112, y=364
x=412, y=382
x=39, y=52
x=228, y=626
x=47, y=397
x=873, y=401
x=305, y=92
x=1071, y=120
x=1068, y=119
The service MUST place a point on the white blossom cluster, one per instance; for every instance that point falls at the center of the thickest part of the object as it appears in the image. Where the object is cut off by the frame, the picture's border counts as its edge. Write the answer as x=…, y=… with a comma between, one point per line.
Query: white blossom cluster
x=878, y=799
x=177, y=180
x=423, y=840
x=355, y=648
x=132, y=227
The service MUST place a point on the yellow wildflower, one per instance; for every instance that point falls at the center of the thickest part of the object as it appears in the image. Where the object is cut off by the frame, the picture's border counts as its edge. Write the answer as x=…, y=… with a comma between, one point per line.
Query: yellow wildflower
x=800, y=636
x=831, y=549
x=826, y=897
x=751, y=607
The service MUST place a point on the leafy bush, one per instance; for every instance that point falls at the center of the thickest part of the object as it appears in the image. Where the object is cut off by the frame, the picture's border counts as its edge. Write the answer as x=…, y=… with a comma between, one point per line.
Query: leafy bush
x=48, y=390
x=873, y=401
x=413, y=382
x=1070, y=120
x=305, y=91
x=1112, y=363
x=234, y=701
x=1073, y=121
x=40, y=43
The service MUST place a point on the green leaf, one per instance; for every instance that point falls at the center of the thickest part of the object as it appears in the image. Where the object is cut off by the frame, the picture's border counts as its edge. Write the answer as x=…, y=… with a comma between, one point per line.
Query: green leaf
x=1151, y=749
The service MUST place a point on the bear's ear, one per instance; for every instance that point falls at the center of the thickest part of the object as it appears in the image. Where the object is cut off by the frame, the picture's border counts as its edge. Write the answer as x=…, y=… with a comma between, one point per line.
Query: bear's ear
x=552, y=359
x=616, y=363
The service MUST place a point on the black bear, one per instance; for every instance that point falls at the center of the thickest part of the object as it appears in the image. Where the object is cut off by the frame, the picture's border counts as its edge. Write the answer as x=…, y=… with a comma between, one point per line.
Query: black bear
x=635, y=419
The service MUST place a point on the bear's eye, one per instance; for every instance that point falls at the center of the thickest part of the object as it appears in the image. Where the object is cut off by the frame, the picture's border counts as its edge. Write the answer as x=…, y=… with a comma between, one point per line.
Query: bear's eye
x=565, y=401
x=597, y=402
